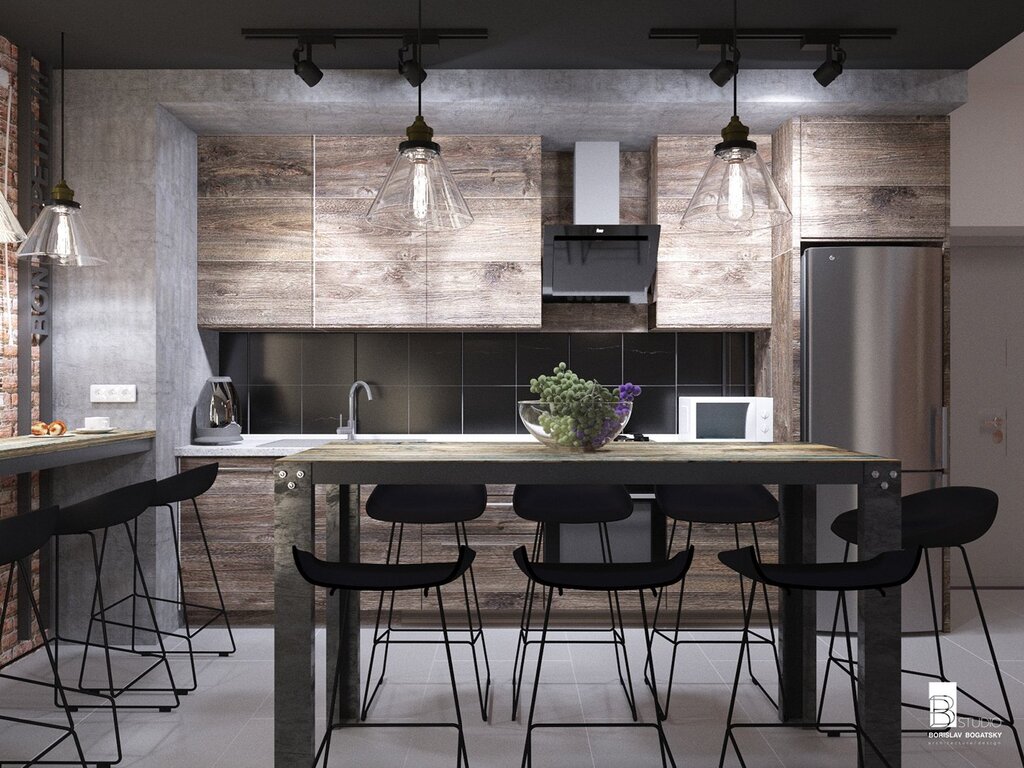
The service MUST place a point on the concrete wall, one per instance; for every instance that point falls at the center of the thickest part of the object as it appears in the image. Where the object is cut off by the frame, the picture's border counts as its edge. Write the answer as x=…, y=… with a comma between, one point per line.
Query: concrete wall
x=986, y=317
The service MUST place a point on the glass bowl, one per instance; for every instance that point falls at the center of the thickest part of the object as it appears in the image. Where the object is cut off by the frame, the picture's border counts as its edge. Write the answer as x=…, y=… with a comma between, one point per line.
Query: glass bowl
x=535, y=414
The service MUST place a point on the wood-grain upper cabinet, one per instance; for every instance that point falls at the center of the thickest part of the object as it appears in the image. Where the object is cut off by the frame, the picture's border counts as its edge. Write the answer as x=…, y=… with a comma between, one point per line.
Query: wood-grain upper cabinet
x=283, y=242
x=874, y=178
x=255, y=240
x=705, y=281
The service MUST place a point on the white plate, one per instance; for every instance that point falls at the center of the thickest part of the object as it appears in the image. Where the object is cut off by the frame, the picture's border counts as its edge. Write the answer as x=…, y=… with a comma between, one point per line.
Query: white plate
x=66, y=434
x=97, y=431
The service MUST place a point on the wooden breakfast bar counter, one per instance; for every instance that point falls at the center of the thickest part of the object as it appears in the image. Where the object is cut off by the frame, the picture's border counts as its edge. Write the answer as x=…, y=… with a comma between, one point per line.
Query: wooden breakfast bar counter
x=795, y=467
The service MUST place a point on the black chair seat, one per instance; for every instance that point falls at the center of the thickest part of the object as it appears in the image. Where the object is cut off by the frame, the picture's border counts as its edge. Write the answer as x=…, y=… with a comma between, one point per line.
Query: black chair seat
x=426, y=503
x=888, y=569
x=939, y=517
x=190, y=484
x=567, y=504
x=606, y=577
x=21, y=535
x=380, y=576
x=731, y=504
x=106, y=510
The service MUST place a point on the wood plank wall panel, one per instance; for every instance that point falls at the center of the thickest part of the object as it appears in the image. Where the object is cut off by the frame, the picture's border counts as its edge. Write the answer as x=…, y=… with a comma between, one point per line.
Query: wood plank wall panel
x=255, y=231
x=634, y=192
x=489, y=273
x=713, y=282
x=364, y=276
x=878, y=179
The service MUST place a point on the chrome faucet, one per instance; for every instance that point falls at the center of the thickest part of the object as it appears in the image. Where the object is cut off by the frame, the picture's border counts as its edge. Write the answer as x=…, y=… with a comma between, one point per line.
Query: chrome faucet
x=353, y=401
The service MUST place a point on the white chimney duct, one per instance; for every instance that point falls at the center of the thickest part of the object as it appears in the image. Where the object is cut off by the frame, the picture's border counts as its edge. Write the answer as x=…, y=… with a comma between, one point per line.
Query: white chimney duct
x=596, y=183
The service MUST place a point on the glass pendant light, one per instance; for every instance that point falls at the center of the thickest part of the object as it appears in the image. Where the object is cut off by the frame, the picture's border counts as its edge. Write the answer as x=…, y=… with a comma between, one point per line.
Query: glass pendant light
x=10, y=228
x=736, y=192
x=59, y=235
x=419, y=194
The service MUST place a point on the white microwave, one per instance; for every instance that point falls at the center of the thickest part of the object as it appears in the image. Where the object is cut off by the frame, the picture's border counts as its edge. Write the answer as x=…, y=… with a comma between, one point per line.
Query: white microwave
x=726, y=418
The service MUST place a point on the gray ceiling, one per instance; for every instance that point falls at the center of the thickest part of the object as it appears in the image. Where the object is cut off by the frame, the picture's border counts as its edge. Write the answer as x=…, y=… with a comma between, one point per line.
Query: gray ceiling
x=524, y=34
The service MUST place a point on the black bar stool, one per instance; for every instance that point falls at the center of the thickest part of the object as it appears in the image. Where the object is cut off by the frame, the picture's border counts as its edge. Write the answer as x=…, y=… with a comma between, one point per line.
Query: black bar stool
x=377, y=577
x=20, y=538
x=188, y=486
x=884, y=571
x=103, y=514
x=733, y=505
x=940, y=517
x=570, y=505
x=428, y=505
x=611, y=578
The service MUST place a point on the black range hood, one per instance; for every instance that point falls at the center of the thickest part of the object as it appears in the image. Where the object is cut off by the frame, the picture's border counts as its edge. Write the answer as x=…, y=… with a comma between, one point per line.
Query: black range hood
x=606, y=263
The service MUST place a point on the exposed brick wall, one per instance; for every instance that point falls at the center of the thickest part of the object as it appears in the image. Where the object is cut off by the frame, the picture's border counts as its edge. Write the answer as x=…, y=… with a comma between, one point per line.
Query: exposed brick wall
x=9, y=644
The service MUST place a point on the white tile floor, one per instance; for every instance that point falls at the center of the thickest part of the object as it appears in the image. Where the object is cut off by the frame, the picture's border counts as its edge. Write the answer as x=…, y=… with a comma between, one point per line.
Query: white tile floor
x=228, y=722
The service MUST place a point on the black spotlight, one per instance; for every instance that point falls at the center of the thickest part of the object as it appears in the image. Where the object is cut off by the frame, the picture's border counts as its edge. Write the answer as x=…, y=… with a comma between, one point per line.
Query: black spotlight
x=305, y=68
x=725, y=69
x=832, y=66
x=411, y=69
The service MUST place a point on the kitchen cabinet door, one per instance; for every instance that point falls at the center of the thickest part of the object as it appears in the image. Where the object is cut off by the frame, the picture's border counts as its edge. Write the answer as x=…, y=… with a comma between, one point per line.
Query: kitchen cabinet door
x=255, y=212
x=874, y=178
x=705, y=281
x=238, y=517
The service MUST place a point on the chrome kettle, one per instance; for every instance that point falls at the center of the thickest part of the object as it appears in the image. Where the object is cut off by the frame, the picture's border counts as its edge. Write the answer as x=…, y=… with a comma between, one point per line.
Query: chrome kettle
x=216, y=413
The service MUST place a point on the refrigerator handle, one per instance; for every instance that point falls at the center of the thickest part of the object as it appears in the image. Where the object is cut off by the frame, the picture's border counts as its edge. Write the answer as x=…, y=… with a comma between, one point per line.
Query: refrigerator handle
x=944, y=437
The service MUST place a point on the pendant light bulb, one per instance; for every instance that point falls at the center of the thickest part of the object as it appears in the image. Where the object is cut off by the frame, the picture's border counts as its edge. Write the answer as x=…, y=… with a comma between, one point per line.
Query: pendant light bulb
x=420, y=188
x=735, y=202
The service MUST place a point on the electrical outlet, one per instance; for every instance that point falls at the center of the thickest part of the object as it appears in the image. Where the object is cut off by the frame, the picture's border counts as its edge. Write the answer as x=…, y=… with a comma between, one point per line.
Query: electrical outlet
x=111, y=393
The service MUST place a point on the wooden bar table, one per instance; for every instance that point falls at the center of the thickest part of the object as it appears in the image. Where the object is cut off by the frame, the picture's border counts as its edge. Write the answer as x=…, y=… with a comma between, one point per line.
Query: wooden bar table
x=795, y=467
x=30, y=454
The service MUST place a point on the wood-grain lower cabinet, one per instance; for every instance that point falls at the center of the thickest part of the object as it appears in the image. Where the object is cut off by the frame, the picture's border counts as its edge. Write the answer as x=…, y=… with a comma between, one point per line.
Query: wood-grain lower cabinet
x=238, y=517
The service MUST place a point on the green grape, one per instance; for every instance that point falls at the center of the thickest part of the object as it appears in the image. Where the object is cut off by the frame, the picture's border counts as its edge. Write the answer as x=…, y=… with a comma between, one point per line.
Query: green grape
x=581, y=412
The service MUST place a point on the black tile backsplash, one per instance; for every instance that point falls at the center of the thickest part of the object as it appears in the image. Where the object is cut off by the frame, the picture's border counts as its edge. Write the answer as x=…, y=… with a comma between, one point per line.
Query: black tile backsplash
x=488, y=359
x=467, y=382
x=538, y=353
x=597, y=356
x=328, y=359
x=435, y=359
x=649, y=358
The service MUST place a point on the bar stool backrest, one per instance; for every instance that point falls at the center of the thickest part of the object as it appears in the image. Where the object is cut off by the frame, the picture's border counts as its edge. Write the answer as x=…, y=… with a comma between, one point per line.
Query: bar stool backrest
x=106, y=510
x=948, y=517
x=426, y=503
x=190, y=484
x=717, y=503
x=21, y=535
x=561, y=504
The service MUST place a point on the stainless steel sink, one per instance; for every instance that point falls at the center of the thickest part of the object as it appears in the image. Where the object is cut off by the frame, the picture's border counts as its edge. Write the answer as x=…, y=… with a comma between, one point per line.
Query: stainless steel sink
x=301, y=442
x=314, y=442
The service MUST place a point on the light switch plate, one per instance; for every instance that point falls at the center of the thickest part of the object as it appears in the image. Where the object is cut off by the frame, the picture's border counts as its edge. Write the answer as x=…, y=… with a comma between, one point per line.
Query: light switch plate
x=111, y=393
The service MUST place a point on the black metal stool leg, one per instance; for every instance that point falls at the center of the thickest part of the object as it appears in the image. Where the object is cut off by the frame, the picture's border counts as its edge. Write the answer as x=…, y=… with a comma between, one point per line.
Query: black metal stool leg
x=462, y=760
x=1007, y=718
x=663, y=746
x=385, y=637
x=528, y=749
x=853, y=682
x=832, y=658
x=475, y=634
x=222, y=610
x=729, y=737
x=519, y=664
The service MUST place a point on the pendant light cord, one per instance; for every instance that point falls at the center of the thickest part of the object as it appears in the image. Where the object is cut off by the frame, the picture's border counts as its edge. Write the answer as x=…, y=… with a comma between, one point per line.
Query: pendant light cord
x=419, y=55
x=736, y=53
x=63, y=77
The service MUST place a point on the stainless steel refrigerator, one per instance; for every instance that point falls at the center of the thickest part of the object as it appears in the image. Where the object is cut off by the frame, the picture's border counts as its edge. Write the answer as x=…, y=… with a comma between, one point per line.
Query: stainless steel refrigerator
x=872, y=379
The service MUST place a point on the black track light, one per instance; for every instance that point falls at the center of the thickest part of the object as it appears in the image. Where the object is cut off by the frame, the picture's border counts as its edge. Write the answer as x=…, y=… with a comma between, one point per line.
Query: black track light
x=832, y=67
x=726, y=68
x=305, y=68
x=410, y=68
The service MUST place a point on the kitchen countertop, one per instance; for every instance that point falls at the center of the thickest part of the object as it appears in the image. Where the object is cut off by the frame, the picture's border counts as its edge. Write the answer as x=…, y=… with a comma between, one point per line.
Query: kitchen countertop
x=28, y=454
x=257, y=445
